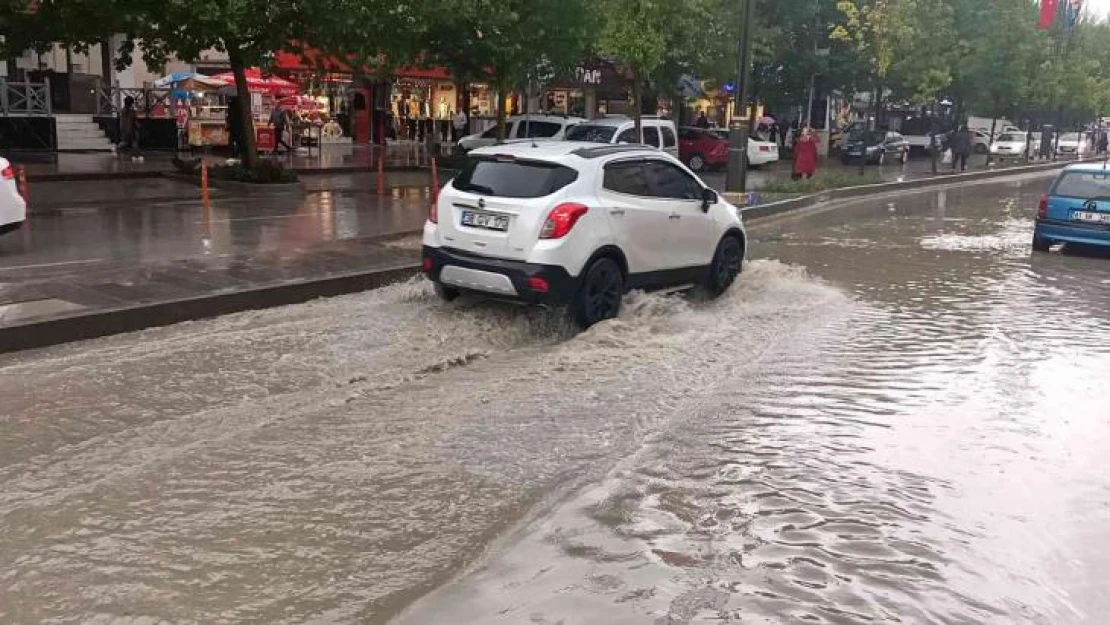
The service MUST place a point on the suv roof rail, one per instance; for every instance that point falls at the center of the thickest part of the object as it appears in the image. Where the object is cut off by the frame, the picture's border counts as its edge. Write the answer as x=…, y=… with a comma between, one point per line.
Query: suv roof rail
x=606, y=150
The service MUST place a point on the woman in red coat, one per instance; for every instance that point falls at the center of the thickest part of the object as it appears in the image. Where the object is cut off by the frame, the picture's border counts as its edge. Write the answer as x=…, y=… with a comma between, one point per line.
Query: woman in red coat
x=805, y=155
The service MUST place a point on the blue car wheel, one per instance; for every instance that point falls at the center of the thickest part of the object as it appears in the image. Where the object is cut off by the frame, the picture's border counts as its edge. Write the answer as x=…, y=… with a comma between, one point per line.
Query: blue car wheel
x=1040, y=244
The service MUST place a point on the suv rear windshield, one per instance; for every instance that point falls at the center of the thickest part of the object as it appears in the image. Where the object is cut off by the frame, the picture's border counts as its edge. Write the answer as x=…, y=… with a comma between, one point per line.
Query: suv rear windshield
x=1013, y=138
x=593, y=133
x=513, y=178
x=1086, y=185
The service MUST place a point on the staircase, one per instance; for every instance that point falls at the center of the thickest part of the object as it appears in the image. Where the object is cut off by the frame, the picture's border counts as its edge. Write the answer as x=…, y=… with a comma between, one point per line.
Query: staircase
x=80, y=132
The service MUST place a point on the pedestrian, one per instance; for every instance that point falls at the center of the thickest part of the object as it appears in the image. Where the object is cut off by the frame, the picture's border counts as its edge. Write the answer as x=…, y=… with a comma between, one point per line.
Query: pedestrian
x=459, y=124
x=279, y=119
x=960, y=144
x=805, y=154
x=129, y=130
x=1103, y=142
x=234, y=128
x=702, y=120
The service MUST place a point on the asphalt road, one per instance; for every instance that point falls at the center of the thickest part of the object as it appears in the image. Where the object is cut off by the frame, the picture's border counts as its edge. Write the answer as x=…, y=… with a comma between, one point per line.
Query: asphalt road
x=898, y=414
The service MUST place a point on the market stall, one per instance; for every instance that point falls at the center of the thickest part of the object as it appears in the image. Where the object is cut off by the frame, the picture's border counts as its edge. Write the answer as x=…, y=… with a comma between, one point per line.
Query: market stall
x=207, y=123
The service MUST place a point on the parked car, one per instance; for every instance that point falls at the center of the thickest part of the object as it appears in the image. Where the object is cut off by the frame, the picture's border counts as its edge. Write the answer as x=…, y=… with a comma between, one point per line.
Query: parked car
x=1076, y=208
x=523, y=127
x=703, y=147
x=1011, y=145
x=579, y=224
x=875, y=146
x=657, y=132
x=1073, y=144
x=13, y=209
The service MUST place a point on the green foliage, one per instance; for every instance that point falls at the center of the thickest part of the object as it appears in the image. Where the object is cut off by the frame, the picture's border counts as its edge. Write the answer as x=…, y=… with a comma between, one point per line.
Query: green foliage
x=821, y=181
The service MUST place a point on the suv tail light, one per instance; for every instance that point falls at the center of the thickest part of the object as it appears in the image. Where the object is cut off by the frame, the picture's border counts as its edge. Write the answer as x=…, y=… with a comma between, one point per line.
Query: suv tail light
x=8, y=173
x=433, y=210
x=562, y=219
x=1042, y=208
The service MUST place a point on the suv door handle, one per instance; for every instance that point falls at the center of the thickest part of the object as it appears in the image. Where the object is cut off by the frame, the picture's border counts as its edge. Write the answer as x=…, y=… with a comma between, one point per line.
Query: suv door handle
x=675, y=216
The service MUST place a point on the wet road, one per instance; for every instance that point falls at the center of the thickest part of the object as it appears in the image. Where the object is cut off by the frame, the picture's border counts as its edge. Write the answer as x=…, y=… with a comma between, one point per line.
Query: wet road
x=898, y=415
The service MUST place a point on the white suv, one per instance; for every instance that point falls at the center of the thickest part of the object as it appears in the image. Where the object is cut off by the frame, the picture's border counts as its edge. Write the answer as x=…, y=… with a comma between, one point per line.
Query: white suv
x=521, y=128
x=579, y=224
x=618, y=129
x=13, y=209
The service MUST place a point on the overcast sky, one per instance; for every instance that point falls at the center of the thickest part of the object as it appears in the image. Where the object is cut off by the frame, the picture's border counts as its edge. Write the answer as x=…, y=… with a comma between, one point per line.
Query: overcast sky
x=1100, y=8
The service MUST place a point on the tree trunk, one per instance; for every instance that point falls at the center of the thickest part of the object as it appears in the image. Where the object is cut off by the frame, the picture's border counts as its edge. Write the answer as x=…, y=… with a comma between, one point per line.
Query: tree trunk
x=249, y=146
x=994, y=125
x=500, y=87
x=637, y=91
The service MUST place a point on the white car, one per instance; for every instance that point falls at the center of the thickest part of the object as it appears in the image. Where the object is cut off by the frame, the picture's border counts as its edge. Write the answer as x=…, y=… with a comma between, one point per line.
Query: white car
x=579, y=224
x=13, y=209
x=523, y=127
x=617, y=129
x=1011, y=145
x=1073, y=144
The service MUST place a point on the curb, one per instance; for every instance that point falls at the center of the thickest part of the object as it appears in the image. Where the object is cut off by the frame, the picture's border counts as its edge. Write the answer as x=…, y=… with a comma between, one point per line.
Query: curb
x=848, y=193
x=100, y=323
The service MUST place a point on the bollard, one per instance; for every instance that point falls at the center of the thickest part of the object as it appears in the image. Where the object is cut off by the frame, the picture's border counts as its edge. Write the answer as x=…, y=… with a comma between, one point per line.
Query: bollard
x=22, y=181
x=381, y=174
x=435, y=180
x=204, y=186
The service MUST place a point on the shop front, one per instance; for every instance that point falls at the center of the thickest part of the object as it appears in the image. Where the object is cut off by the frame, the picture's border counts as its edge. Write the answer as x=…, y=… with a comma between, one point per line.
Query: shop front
x=596, y=88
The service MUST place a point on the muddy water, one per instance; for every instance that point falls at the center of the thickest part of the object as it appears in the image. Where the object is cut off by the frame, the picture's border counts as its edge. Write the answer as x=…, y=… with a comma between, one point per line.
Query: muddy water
x=896, y=414
x=935, y=455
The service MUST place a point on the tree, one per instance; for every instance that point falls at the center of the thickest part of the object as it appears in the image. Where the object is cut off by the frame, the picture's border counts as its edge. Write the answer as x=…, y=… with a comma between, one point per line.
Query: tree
x=634, y=32
x=249, y=31
x=506, y=41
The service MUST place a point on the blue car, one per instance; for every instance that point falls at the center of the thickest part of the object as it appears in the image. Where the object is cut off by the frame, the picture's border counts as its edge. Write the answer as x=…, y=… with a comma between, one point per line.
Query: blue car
x=1076, y=209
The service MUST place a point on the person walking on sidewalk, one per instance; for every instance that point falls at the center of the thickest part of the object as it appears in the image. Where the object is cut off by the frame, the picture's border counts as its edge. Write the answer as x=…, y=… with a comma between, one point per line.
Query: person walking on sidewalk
x=279, y=119
x=805, y=155
x=960, y=144
x=458, y=125
x=129, y=130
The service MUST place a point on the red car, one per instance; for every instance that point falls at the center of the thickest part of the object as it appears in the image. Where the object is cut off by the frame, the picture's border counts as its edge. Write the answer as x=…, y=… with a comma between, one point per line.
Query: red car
x=700, y=148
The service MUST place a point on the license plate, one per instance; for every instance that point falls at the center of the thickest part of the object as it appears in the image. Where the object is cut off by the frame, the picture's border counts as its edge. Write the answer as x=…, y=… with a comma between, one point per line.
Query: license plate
x=1102, y=218
x=487, y=221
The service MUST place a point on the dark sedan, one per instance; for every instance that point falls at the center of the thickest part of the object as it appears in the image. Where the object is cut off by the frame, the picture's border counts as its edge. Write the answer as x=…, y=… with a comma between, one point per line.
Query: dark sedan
x=875, y=146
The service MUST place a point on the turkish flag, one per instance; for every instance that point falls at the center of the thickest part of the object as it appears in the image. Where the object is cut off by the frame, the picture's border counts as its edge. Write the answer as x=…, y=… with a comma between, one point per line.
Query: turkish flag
x=1049, y=9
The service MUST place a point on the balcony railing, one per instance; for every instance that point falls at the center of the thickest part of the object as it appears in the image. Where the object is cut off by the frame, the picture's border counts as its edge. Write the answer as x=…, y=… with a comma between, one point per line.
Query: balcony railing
x=24, y=98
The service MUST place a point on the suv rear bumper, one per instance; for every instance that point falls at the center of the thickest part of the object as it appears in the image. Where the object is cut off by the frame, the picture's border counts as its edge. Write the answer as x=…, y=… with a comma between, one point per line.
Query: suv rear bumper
x=1072, y=232
x=492, y=276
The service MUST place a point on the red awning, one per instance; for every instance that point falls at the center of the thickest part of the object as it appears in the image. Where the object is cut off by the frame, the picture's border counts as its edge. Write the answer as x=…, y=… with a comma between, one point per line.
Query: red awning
x=311, y=61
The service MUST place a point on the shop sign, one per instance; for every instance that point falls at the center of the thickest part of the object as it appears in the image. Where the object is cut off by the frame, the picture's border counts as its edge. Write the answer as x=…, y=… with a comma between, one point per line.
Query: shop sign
x=588, y=76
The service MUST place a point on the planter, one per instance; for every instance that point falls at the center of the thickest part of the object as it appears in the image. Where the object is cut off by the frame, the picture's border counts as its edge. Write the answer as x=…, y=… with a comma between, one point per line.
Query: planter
x=248, y=189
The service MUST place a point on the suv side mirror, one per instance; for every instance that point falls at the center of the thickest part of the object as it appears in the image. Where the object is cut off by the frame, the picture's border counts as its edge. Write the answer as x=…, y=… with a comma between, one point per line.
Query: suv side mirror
x=708, y=198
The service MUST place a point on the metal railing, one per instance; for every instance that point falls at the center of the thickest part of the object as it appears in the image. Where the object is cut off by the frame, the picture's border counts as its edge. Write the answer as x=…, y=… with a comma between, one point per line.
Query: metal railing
x=24, y=98
x=150, y=103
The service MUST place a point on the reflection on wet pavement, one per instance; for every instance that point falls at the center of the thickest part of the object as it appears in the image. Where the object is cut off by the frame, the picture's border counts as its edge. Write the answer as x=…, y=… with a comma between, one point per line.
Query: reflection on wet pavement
x=897, y=415
x=107, y=254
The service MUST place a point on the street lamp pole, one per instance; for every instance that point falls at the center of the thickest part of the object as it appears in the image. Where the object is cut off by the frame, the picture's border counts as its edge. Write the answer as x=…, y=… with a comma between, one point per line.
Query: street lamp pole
x=737, y=178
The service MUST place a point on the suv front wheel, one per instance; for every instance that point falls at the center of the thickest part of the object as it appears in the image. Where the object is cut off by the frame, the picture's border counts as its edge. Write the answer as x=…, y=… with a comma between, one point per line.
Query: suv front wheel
x=599, y=295
x=727, y=263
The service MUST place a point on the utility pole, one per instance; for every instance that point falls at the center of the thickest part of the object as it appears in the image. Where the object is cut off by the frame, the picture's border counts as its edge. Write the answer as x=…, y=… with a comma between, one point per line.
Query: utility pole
x=737, y=178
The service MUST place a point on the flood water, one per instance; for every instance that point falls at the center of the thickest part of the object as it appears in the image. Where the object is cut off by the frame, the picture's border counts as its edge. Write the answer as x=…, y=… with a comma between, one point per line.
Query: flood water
x=897, y=415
